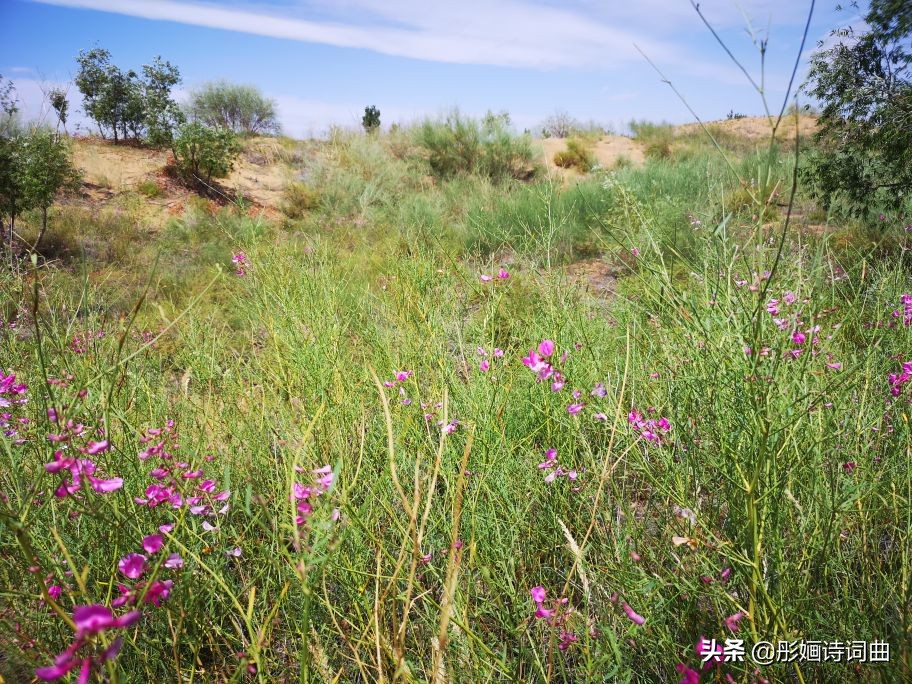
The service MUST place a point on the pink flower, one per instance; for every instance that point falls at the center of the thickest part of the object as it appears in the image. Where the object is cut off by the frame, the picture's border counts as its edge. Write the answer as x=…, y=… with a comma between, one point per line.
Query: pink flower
x=835, y=365
x=486, y=278
x=502, y=274
x=54, y=591
x=498, y=352
x=573, y=409
x=105, y=486
x=798, y=337
x=689, y=675
x=546, y=348
x=632, y=614
x=174, y=561
x=484, y=366
x=132, y=565
x=635, y=251
x=152, y=543
x=402, y=376
x=236, y=552
x=92, y=619
x=732, y=621
x=538, y=594
x=849, y=466
x=94, y=448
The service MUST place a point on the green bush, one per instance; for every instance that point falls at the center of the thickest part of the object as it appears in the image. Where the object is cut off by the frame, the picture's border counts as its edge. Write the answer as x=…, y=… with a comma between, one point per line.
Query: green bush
x=298, y=198
x=459, y=145
x=657, y=139
x=203, y=153
x=577, y=156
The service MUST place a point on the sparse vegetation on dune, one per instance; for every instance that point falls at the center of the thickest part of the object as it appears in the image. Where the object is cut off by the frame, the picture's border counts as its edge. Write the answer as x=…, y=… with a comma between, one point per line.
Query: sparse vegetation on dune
x=431, y=413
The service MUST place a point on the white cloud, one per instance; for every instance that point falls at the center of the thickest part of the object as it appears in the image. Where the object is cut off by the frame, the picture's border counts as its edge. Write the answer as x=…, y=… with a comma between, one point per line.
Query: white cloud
x=516, y=33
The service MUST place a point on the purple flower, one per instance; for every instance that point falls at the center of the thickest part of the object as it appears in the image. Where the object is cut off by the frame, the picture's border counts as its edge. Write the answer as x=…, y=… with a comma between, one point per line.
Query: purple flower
x=632, y=614
x=132, y=565
x=174, y=561
x=546, y=348
x=152, y=543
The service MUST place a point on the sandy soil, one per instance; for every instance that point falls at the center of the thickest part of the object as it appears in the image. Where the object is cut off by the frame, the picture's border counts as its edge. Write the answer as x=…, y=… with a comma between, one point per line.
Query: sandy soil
x=607, y=150
x=758, y=127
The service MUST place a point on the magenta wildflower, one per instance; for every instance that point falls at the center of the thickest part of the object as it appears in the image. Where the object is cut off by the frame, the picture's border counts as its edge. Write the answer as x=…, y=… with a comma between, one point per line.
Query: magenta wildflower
x=538, y=594
x=733, y=621
x=132, y=565
x=240, y=260
x=152, y=543
x=546, y=348
x=484, y=366
x=690, y=676
x=485, y=278
x=93, y=448
x=174, y=562
x=502, y=274
x=632, y=614
x=849, y=466
x=573, y=409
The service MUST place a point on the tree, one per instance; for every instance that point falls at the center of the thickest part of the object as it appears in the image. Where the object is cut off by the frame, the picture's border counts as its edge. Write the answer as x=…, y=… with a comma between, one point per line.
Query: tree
x=162, y=114
x=59, y=103
x=203, y=153
x=125, y=104
x=8, y=105
x=559, y=125
x=371, y=119
x=46, y=169
x=863, y=160
x=12, y=200
x=239, y=108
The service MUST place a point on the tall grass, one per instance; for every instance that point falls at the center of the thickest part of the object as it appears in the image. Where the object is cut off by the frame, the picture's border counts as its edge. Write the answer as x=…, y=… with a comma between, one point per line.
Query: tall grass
x=736, y=462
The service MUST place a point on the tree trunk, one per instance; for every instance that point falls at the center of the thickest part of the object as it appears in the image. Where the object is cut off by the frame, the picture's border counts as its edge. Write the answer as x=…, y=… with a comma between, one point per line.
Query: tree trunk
x=44, y=225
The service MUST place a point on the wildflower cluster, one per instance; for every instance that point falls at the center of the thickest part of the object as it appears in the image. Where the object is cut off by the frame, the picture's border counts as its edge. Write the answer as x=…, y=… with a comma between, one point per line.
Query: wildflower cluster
x=90, y=621
x=555, y=470
x=485, y=364
x=555, y=616
x=242, y=265
x=652, y=430
x=82, y=340
x=174, y=478
x=897, y=380
x=12, y=394
x=306, y=495
x=906, y=312
x=133, y=566
x=77, y=471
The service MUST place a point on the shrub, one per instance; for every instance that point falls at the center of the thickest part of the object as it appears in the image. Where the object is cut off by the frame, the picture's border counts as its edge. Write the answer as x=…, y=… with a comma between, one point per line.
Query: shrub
x=460, y=145
x=298, y=198
x=149, y=188
x=240, y=108
x=657, y=139
x=203, y=153
x=371, y=119
x=576, y=156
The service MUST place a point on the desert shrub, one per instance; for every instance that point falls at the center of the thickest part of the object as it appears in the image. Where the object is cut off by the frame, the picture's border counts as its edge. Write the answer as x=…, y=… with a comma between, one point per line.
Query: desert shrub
x=460, y=145
x=202, y=153
x=149, y=188
x=299, y=198
x=559, y=125
x=240, y=108
x=656, y=138
x=577, y=156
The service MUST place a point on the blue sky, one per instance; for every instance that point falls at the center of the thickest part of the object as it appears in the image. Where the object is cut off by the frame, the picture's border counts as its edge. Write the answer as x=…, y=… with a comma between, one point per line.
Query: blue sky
x=323, y=61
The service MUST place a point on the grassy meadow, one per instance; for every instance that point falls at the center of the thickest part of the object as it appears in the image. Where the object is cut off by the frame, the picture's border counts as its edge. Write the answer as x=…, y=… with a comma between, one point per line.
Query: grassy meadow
x=443, y=415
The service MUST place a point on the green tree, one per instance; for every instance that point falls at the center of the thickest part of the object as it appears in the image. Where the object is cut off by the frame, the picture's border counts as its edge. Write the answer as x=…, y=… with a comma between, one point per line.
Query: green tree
x=240, y=108
x=12, y=198
x=162, y=113
x=203, y=153
x=46, y=169
x=863, y=158
x=125, y=104
x=8, y=105
x=59, y=103
x=371, y=119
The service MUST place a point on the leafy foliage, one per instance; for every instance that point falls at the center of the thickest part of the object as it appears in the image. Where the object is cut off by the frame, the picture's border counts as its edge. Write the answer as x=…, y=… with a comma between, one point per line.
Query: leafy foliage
x=459, y=145
x=203, y=152
x=863, y=160
x=577, y=156
x=371, y=119
x=240, y=108
x=125, y=104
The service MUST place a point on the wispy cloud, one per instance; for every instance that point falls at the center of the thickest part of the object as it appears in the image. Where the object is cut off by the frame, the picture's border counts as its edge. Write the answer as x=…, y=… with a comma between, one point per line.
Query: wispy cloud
x=512, y=33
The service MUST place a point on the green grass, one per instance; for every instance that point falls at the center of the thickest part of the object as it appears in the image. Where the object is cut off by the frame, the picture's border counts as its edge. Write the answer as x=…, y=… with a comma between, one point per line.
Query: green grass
x=272, y=375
